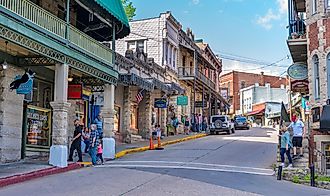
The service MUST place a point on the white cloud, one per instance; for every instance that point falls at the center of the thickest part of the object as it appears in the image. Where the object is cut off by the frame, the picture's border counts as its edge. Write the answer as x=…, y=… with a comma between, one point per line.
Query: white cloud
x=229, y=66
x=195, y=2
x=283, y=6
x=267, y=20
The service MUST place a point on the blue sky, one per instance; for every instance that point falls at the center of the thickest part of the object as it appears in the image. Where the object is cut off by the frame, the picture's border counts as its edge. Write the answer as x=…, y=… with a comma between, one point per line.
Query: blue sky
x=249, y=28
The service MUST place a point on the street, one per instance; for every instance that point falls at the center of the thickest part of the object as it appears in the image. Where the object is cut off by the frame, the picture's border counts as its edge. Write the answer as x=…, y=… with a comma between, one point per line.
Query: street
x=239, y=164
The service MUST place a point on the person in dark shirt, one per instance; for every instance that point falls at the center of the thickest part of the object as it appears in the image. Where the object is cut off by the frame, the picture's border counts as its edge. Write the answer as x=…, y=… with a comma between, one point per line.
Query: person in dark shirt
x=76, y=141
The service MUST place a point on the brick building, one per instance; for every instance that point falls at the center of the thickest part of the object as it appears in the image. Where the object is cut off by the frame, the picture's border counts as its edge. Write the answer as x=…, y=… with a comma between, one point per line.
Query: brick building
x=234, y=81
x=309, y=43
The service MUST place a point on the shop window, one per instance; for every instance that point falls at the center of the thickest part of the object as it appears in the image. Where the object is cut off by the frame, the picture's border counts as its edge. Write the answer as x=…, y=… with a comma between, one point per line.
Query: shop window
x=117, y=119
x=326, y=159
x=316, y=78
x=134, y=116
x=42, y=94
x=38, y=126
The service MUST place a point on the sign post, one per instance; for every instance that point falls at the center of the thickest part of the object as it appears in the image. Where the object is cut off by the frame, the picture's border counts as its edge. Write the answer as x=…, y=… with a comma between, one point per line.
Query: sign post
x=182, y=100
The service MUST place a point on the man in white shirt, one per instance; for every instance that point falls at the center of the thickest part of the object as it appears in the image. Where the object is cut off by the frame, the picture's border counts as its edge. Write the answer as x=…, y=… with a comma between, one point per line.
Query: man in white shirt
x=298, y=134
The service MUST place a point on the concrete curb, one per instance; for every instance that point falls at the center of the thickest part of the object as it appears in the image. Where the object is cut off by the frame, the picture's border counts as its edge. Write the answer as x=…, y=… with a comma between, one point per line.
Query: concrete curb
x=36, y=174
x=145, y=148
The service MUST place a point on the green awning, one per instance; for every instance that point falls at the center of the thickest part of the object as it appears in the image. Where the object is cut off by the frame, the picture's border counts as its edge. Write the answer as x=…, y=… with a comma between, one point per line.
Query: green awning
x=116, y=9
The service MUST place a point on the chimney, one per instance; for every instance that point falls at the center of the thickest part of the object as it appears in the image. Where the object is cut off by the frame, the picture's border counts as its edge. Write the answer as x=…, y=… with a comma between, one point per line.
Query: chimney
x=262, y=79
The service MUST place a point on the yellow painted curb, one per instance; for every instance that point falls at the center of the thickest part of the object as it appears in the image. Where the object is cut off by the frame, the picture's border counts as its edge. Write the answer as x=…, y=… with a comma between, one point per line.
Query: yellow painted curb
x=145, y=148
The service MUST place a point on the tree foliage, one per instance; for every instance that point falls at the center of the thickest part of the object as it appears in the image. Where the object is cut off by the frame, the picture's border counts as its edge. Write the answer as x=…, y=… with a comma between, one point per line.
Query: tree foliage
x=129, y=9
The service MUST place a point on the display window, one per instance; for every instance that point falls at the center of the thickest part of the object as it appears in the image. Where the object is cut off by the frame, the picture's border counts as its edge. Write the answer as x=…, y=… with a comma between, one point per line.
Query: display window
x=117, y=119
x=38, y=127
x=134, y=117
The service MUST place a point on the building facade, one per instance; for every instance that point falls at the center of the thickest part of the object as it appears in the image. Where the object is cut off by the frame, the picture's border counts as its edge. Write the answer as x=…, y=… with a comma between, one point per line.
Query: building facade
x=52, y=60
x=263, y=103
x=231, y=83
x=309, y=43
x=164, y=44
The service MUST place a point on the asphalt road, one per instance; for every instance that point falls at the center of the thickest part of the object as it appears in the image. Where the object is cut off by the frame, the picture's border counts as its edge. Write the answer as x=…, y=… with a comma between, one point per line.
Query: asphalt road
x=239, y=164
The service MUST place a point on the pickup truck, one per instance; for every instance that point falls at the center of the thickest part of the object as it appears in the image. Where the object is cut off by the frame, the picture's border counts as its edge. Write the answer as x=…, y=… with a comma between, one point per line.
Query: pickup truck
x=221, y=123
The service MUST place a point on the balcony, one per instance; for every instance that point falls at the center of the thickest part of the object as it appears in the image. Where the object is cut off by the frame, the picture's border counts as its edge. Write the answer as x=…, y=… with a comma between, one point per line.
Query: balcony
x=297, y=41
x=188, y=73
x=58, y=29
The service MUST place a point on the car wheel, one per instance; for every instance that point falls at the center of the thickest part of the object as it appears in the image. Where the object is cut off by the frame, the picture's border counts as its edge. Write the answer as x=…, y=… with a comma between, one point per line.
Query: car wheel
x=248, y=128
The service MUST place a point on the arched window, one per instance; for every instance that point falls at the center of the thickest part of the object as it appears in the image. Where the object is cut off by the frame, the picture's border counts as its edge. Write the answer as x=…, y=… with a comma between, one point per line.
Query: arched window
x=328, y=75
x=316, y=76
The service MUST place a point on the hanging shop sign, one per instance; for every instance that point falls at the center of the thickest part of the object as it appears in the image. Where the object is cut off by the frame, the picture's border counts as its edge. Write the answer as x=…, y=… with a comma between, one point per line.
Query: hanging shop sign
x=298, y=71
x=199, y=104
x=160, y=103
x=75, y=91
x=300, y=86
x=23, y=83
x=182, y=100
x=224, y=93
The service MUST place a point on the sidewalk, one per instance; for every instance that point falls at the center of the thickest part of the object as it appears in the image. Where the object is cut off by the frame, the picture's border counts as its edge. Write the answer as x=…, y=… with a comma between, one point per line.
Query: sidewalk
x=29, y=169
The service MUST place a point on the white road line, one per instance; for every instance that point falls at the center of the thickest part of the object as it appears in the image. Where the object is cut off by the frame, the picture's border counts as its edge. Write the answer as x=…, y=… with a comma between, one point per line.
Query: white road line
x=270, y=173
x=191, y=163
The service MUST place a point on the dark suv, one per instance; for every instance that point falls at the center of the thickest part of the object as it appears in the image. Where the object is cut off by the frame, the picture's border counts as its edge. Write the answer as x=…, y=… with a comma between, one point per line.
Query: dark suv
x=241, y=123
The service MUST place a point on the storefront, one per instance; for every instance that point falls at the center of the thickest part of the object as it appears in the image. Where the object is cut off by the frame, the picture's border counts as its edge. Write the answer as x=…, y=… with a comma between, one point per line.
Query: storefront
x=37, y=123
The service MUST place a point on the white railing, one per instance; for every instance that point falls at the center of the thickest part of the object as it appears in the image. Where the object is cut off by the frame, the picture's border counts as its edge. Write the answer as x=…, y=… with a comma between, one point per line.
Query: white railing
x=37, y=15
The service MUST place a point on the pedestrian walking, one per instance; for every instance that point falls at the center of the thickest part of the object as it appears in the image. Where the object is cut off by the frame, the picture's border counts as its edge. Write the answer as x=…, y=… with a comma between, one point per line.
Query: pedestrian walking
x=99, y=154
x=94, y=140
x=99, y=123
x=86, y=134
x=197, y=123
x=186, y=125
x=76, y=141
x=205, y=123
x=175, y=123
x=298, y=134
x=286, y=145
x=200, y=122
x=193, y=122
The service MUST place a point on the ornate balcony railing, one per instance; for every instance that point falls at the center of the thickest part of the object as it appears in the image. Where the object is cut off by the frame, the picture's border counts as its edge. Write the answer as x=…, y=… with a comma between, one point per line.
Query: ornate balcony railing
x=56, y=26
x=185, y=72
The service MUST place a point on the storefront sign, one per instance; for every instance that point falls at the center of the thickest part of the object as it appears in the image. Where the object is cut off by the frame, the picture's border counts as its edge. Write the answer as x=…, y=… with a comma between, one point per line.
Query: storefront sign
x=75, y=91
x=298, y=71
x=24, y=88
x=300, y=86
x=305, y=104
x=199, y=104
x=224, y=93
x=160, y=103
x=182, y=100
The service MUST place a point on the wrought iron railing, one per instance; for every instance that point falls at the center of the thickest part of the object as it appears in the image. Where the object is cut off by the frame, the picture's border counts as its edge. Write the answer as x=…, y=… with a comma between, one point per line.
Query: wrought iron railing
x=297, y=29
x=37, y=15
x=190, y=72
x=186, y=72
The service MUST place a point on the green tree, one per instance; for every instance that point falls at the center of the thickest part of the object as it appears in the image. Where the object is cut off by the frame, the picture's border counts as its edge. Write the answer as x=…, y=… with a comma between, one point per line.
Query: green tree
x=129, y=9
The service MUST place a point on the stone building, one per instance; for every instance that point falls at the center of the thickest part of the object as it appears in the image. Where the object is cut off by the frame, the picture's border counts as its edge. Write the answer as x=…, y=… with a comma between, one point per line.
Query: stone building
x=310, y=43
x=231, y=83
x=52, y=56
x=174, y=53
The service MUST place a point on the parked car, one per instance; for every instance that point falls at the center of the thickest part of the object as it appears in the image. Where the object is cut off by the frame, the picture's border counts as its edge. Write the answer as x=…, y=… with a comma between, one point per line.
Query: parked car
x=221, y=123
x=241, y=123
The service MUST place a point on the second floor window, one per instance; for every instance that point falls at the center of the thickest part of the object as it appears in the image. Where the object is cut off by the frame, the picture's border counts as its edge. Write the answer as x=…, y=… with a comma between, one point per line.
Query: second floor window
x=316, y=77
x=134, y=45
x=314, y=6
x=327, y=4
